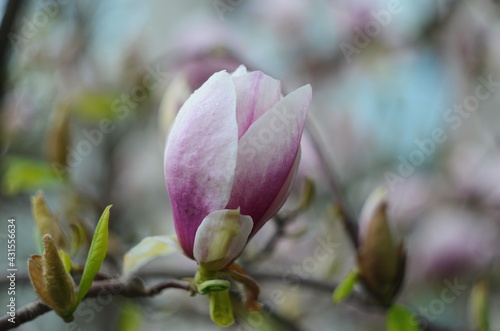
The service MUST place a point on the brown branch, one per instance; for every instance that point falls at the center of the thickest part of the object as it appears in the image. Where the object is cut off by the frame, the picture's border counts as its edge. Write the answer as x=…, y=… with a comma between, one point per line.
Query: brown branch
x=12, y=10
x=356, y=300
x=281, y=220
x=348, y=218
x=132, y=288
x=269, y=246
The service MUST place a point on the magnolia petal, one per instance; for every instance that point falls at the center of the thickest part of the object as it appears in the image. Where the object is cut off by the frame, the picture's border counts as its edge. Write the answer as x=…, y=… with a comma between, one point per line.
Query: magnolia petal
x=220, y=238
x=256, y=93
x=147, y=250
x=200, y=156
x=280, y=199
x=240, y=71
x=266, y=154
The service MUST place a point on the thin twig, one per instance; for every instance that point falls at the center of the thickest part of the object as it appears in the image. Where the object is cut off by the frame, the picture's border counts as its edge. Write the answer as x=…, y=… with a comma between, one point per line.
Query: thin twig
x=270, y=245
x=348, y=219
x=12, y=10
x=355, y=300
x=132, y=288
x=281, y=220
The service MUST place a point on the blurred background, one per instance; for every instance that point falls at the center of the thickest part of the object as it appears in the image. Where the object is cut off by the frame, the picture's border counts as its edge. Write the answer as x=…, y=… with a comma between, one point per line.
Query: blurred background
x=405, y=94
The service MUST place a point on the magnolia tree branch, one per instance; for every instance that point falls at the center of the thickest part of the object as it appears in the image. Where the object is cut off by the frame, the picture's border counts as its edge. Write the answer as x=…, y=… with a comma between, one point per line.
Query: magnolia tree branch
x=335, y=184
x=132, y=288
x=12, y=10
x=355, y=300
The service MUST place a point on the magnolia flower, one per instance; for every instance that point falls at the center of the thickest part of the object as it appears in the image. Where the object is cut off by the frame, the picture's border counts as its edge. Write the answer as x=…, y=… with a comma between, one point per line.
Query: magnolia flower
x=230, y=160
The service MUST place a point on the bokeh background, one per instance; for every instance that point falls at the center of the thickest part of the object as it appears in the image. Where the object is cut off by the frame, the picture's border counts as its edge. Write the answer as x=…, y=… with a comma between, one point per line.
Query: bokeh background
x=89, y=86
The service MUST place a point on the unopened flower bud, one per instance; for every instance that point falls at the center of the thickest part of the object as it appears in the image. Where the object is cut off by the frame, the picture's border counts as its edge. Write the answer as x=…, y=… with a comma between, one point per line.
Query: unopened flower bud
x=230, y=161
x=381, y=259
x=52, y=283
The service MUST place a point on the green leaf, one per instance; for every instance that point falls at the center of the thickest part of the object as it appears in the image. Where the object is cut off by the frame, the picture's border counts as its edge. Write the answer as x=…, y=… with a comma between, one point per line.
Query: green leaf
x=26, y=175
x=65, y=260
x=78, y=237
x=37, y=240
x=148, y=249
x=97, y=253
x=479, y=305
x=94, y=106
x=400, y=318
x=345, y=287
x=130, y=318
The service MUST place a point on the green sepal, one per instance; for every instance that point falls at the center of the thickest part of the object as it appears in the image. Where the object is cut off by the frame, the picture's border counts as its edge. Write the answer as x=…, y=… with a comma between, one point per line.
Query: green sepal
x=215, y=285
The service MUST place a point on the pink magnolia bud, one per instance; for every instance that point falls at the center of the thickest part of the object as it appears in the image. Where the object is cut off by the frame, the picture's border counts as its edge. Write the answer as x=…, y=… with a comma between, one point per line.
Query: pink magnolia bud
x=230, y=158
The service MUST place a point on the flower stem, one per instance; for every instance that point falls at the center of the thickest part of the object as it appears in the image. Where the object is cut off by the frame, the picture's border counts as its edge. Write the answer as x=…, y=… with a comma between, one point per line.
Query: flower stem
x=221, y=309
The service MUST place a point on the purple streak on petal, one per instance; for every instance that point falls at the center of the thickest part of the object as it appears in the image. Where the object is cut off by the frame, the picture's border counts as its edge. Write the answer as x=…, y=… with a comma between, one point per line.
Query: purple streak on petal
x=280, y=198
x=200, y=156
